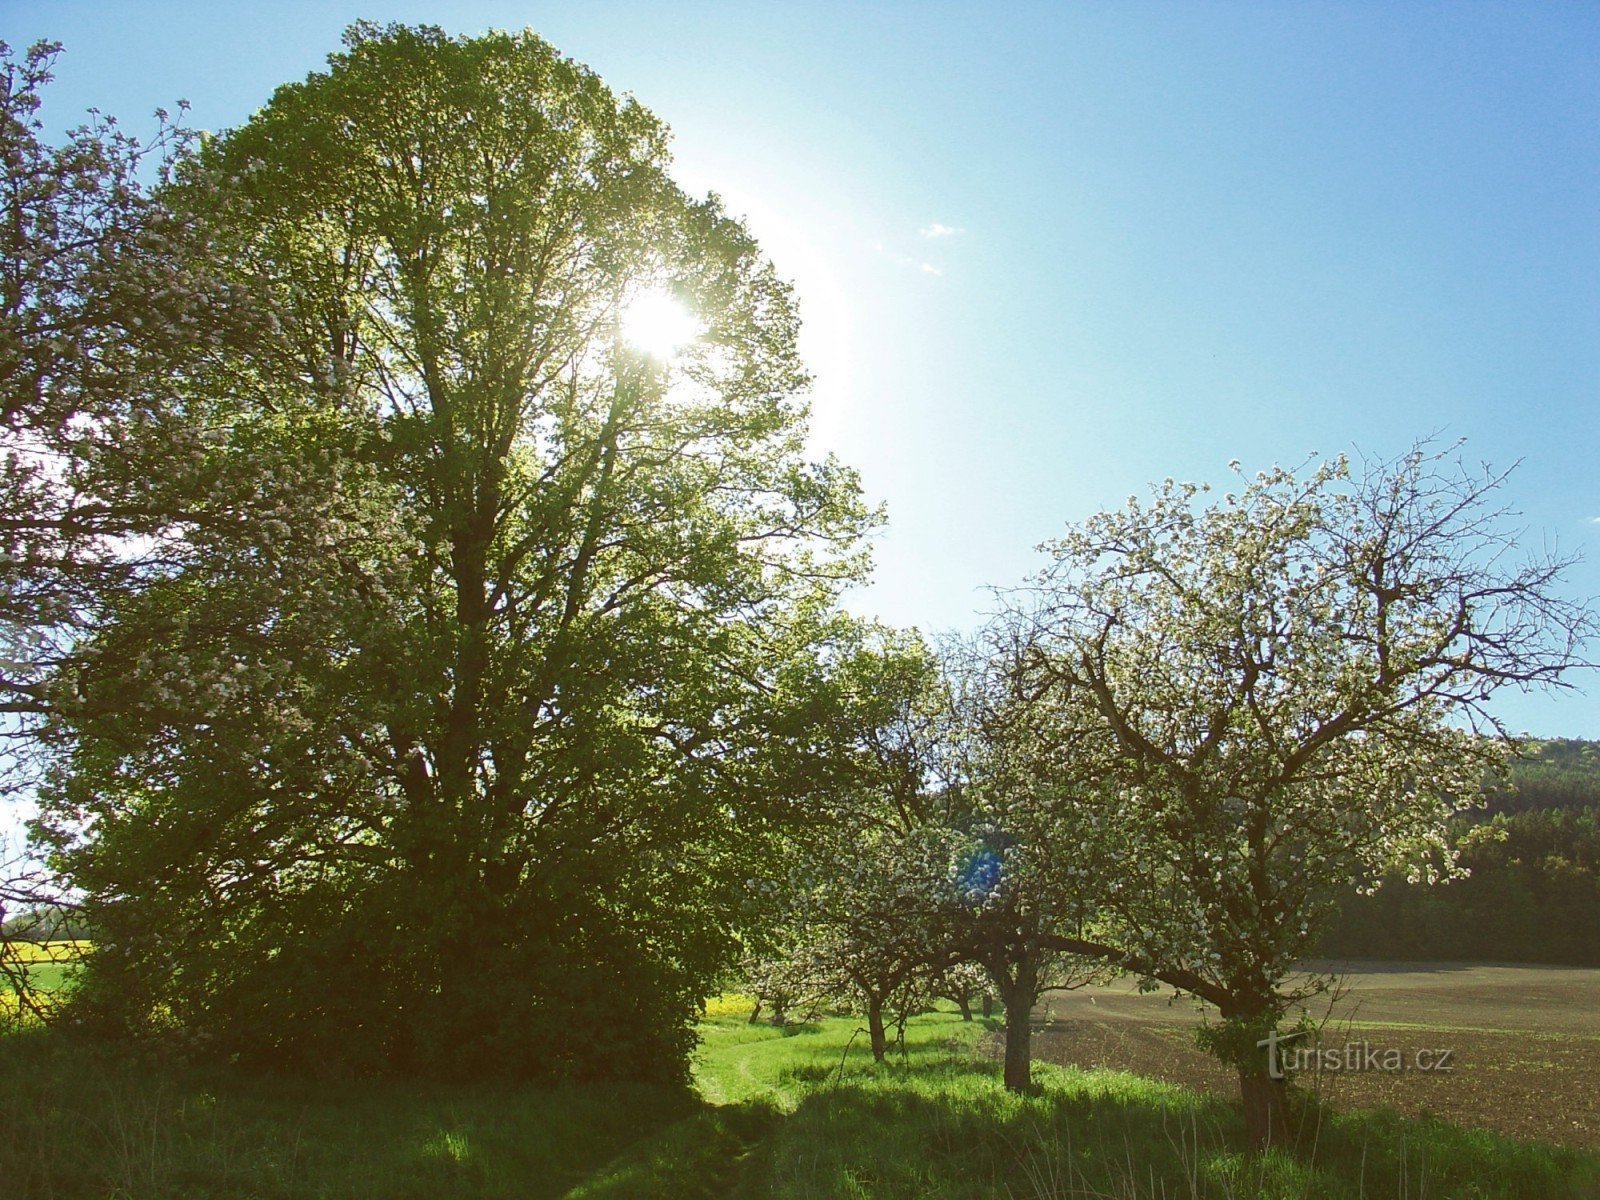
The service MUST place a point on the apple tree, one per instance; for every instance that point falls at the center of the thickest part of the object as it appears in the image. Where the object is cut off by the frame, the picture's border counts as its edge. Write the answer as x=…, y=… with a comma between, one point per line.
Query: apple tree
x=1258, y=700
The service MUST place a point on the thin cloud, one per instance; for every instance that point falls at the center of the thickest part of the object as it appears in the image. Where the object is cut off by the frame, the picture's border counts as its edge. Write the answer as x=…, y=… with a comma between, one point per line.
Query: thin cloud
x=937, y=230
x=903, y=260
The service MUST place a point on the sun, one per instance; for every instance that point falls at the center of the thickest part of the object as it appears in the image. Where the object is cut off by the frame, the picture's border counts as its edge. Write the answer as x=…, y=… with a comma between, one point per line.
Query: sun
x=656, y=324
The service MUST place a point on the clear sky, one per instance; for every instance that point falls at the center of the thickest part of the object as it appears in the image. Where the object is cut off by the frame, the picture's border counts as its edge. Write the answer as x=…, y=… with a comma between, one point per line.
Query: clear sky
x=1050, y=253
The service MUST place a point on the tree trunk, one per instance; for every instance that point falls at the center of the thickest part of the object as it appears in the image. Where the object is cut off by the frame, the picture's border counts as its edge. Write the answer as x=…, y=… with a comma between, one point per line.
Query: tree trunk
x=880, y=1043
x=1266, y=1114
x=1264, y=1099
x=1021, y=988
x=1019, y=1042
x=964, y=1001
x=988, y=1004
x=754, y=1013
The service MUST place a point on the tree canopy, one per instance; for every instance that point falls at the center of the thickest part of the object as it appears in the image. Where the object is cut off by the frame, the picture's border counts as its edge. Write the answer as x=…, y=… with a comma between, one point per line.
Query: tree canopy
x=1254, y=704
x=491, y=708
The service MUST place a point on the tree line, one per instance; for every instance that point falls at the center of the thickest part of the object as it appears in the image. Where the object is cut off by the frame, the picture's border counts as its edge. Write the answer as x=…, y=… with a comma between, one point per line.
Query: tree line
x=1532, y=889
x=417, y=675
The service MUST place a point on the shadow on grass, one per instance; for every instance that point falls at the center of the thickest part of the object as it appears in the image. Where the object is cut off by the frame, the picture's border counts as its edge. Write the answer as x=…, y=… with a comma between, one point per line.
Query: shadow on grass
x=698, y=1158
x=83, y=1121
x=75, y=1121
x=1101, y=1134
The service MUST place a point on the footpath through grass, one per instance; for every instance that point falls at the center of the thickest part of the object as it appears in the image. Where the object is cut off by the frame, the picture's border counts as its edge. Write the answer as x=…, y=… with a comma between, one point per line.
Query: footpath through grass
x=789, y=1113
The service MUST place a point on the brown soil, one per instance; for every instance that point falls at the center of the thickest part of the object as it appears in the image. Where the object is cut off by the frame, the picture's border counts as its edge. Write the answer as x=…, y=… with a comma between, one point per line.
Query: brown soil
x=1524, y=1043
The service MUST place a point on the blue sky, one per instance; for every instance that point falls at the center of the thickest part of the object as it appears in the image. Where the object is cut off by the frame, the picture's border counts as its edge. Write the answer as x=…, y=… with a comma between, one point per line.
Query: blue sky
x=1049, y=254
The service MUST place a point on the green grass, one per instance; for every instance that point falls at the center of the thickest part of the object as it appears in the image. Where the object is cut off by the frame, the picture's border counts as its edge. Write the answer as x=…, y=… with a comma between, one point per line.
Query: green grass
x=936, y=1123
x=782, y=1113
x=49, y=976
x=75, y=1122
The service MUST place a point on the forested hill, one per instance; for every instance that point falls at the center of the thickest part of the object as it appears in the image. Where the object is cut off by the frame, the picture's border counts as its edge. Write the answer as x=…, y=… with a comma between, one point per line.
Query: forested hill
x=1560, y=773
x=1534, y=890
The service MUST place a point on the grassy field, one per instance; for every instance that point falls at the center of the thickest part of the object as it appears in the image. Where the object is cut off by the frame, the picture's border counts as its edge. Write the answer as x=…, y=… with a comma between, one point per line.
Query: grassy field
x=789, y=1113
x=935, y=1123
x=74, y=1123
x=48, y=963
x=1525, y=1043
x=49, y=966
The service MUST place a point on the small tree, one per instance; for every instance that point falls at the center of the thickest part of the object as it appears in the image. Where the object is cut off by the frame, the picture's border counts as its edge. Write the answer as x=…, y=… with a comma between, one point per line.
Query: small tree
x=1027, y=910
x=111, y=303
x=867, y=899
x=1011, y=941
x=877, y=929
x=960, y=983
x=1265, y=700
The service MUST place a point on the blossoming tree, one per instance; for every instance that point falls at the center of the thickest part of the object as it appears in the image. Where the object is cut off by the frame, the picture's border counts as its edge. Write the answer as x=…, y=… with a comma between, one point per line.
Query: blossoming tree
x=1260, y=701
x=114, y=317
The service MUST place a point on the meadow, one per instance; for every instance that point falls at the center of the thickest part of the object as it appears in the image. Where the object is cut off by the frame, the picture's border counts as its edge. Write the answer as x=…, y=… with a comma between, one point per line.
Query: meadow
x=794, y=1112
x=48, y=963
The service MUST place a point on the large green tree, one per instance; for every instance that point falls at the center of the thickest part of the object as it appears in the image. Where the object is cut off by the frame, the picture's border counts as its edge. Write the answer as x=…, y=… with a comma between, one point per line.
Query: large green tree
x=471, y=774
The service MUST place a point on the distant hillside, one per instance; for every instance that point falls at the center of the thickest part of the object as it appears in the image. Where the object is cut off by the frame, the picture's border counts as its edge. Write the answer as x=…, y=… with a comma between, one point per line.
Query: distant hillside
x=46, y=923
x=1560, y=773
x=1534, y=890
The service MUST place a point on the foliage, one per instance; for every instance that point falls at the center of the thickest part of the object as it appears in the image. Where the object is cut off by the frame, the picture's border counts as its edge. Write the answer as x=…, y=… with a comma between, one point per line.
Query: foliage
x=111, y=304
x=1531, y=893
x=870, y=929
x=1531, y=888
x=1558, y=773
x=864, y=917
x=496, y=708
x=111, y=307
x=918, y=888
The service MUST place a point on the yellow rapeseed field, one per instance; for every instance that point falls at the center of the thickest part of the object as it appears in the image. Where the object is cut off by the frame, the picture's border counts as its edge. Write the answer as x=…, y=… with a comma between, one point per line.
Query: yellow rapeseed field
x=730, y=1004
x=54, y=952
x=47, y=963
